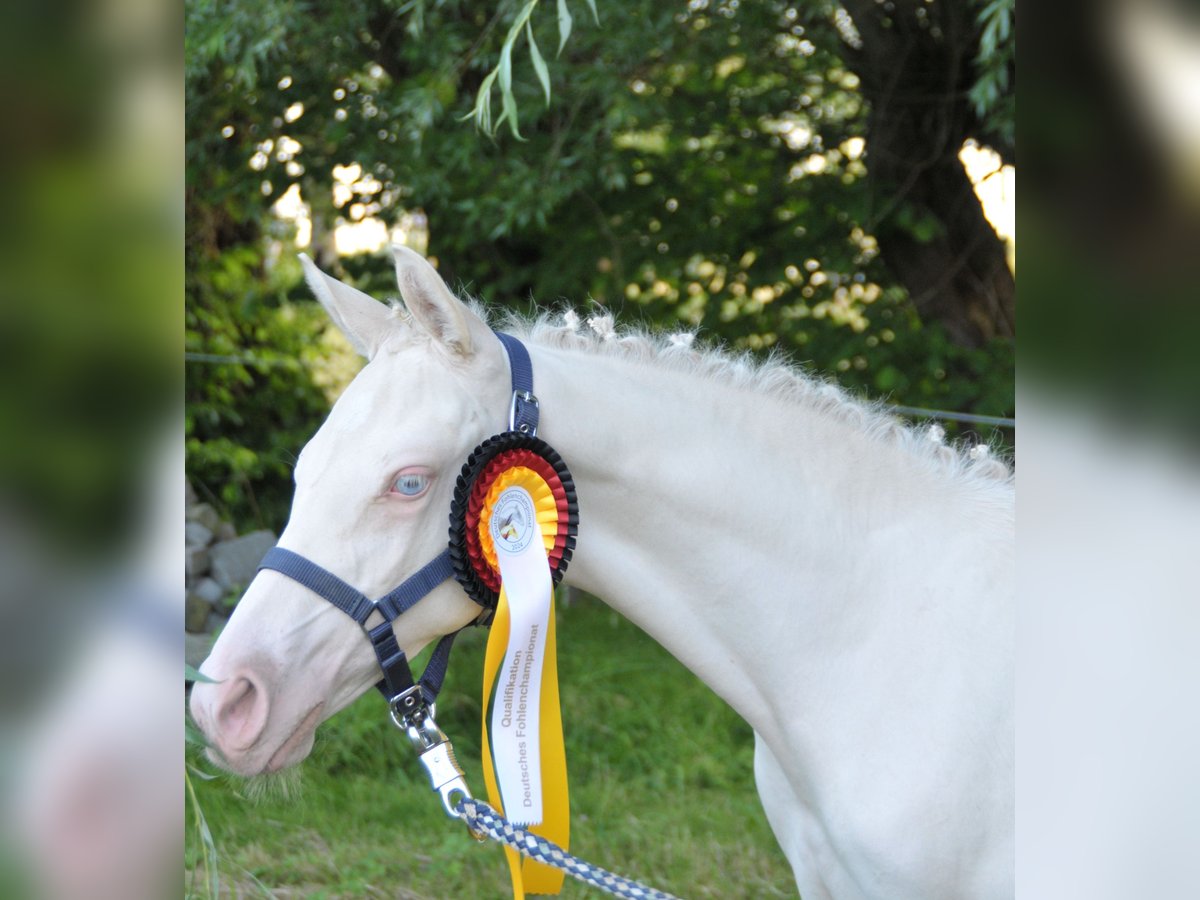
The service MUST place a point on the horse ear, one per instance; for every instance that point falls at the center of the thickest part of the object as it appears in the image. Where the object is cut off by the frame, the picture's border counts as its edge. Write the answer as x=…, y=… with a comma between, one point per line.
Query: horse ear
x=363, y=320
x=433, y=307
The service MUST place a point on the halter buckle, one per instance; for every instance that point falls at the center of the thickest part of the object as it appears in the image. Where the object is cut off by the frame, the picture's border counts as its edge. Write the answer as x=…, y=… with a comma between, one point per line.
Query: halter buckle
x=523, y=401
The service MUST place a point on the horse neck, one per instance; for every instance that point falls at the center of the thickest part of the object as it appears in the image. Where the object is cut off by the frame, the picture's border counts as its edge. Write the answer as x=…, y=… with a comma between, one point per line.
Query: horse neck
x=727, y=524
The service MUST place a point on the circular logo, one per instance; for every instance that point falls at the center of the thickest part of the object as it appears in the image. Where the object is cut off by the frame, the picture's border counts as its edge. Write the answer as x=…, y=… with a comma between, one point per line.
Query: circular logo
x=513, y=524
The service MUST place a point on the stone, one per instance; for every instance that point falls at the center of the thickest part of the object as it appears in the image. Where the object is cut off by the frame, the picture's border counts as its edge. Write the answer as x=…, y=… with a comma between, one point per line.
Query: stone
x=235, y=562
x=195, y=648
x=191, y=497
x=216, y=621
x=205, y=515
x=195, y=561
x=196, y=614
x=197, y=534
x=207, y=589
x=226, y=531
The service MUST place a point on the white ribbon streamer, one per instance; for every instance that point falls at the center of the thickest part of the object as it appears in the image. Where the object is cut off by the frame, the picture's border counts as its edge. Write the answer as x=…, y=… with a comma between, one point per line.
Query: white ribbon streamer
x=525, y=575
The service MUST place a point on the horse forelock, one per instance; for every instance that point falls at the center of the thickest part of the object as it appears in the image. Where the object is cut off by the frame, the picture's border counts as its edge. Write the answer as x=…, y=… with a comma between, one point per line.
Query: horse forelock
x=772, y=377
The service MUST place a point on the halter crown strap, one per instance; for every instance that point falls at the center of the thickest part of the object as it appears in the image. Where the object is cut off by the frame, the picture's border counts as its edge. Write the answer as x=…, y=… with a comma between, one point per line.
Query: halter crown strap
x=523, y=412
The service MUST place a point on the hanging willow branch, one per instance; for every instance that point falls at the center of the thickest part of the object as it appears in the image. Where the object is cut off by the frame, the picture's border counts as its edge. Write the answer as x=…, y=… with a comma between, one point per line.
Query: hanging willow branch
x=991, y=95
x=501, y=75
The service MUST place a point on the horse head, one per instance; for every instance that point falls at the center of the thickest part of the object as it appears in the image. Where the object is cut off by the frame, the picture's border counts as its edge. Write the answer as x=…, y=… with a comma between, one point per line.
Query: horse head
x=373, y=491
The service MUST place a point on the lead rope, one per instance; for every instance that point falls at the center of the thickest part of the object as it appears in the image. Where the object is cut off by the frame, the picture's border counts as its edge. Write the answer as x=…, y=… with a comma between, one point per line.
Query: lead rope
x=447, y=778
x=481, y=819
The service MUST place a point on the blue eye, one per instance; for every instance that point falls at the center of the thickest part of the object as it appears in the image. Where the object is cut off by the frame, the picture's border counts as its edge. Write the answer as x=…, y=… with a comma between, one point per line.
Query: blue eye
x=411, y=484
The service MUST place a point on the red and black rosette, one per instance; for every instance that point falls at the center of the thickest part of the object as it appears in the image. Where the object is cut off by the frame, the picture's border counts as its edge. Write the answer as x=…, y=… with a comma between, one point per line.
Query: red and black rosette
x=502, y=461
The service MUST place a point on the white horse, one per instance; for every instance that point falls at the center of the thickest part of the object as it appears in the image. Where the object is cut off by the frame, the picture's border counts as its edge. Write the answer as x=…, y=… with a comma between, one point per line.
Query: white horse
x=843, y=581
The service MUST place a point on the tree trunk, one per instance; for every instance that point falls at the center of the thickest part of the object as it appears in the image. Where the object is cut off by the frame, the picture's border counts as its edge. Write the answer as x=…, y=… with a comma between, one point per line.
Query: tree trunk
x=915, y=71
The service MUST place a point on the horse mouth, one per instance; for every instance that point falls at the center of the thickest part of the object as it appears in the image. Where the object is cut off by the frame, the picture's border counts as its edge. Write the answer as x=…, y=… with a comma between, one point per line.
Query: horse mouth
x=295, y=744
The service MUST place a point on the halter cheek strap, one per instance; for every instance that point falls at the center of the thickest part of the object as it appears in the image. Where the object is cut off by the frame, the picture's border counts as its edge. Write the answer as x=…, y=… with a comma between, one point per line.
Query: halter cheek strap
x=397, y=684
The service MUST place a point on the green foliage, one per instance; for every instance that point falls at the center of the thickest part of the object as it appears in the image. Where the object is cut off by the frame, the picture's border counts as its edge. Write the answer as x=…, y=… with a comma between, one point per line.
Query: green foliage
x=202, y=859
x=661, y=789
x=501, y=76
x=698, y=167
x=993, y=94
x=248, y=415
x=191, y=673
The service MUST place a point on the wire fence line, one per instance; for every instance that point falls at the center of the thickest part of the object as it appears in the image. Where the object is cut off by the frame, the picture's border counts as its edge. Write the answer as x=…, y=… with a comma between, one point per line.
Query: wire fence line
x=913, y=412
x=216, y=359
x=919, y=412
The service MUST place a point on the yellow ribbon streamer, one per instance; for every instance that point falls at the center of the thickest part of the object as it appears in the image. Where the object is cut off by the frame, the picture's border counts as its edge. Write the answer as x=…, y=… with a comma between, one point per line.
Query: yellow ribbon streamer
x=528, y=875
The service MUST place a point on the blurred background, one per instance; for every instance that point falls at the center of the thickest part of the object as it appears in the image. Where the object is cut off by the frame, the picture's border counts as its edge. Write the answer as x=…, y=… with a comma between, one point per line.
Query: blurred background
x=1109, y=490
x=833, y=182
x=91, y=449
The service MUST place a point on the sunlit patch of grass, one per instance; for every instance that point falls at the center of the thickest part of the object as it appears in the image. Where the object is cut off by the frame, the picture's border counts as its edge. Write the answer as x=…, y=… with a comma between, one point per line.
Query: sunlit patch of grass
x=661, y=789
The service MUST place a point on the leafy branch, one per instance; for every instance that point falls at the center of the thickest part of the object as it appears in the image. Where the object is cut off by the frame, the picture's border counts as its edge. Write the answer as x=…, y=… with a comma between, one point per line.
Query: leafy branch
x=501, y=75
x=990, y=95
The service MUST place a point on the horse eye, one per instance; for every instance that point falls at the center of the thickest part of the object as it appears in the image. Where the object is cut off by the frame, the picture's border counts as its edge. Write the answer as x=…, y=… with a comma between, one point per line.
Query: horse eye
x=411, y=484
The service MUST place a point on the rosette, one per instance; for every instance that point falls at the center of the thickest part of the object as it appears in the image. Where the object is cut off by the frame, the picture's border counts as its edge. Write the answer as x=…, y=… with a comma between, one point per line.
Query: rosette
x=500, y=462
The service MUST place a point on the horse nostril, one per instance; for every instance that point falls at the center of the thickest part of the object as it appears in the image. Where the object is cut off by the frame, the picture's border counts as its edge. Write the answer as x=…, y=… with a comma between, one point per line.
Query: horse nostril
x=240, y=713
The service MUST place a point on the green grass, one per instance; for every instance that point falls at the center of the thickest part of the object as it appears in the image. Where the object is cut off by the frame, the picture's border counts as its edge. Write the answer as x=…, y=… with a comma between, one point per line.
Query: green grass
x=661, y=790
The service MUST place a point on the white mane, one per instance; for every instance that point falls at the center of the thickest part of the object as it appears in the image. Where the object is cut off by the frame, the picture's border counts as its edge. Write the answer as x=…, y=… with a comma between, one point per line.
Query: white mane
x=773, y=377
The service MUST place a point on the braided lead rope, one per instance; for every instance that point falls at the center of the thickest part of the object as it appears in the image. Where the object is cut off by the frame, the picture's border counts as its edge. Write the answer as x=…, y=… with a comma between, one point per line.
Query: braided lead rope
x=482, y=819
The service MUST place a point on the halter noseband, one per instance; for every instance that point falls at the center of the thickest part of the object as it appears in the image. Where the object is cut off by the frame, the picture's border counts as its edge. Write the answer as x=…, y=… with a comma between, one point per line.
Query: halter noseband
x=404, y=694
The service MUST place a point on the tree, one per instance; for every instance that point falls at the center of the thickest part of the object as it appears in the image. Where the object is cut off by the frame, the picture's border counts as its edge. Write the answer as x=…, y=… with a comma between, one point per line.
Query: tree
x=934, y=74
x=917, y=65
x=711, y=166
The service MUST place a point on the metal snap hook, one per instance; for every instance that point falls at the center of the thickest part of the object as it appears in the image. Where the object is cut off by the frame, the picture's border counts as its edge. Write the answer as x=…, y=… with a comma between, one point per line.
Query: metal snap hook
x=415, y=717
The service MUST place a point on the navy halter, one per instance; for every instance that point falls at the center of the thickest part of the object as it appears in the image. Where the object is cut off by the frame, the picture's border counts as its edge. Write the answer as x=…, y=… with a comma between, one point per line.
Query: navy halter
x=397, y=684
